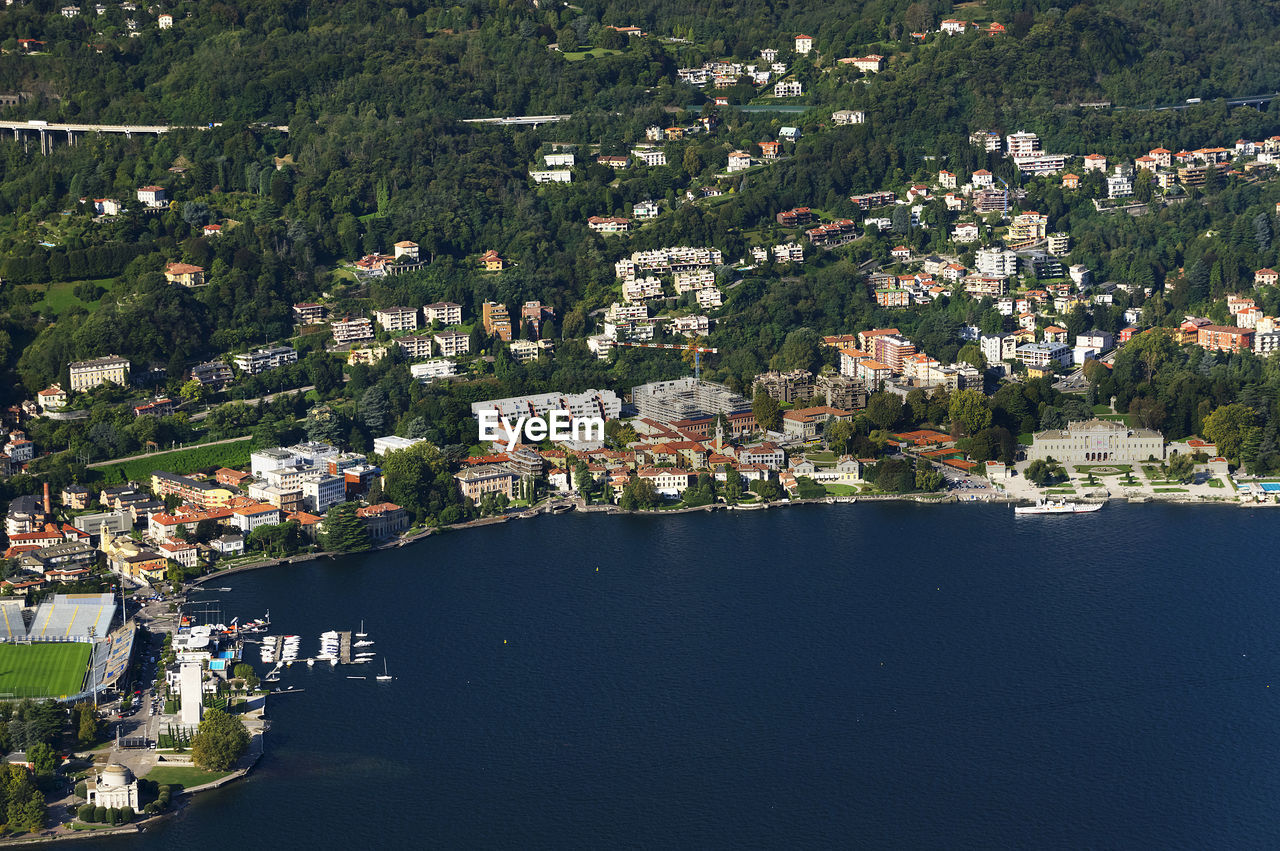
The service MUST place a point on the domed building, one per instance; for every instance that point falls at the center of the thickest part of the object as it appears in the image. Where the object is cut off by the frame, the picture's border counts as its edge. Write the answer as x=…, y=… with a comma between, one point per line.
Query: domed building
x=114, y=786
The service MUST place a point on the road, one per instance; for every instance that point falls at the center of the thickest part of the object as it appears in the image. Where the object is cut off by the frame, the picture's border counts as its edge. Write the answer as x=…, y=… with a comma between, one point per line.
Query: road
x=1074, y=381
x=260, y=399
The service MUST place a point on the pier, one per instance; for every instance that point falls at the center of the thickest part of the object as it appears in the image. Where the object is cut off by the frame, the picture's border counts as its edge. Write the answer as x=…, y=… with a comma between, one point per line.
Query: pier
x=344, y=648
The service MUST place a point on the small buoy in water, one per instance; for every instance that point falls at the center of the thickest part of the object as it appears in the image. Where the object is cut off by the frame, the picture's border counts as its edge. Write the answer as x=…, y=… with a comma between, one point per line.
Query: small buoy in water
x=504, y=641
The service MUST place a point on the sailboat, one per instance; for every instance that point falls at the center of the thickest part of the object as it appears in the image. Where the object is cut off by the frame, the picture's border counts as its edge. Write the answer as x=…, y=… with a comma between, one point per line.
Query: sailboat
x=384, y=676
x=361, y=633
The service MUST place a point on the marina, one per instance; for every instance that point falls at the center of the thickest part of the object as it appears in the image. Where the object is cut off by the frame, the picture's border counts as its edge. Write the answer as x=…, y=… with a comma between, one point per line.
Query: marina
x=283, y=651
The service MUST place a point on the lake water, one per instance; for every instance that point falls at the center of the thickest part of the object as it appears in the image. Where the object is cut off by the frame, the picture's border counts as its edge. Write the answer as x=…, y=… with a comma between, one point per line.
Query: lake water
x=876, y=675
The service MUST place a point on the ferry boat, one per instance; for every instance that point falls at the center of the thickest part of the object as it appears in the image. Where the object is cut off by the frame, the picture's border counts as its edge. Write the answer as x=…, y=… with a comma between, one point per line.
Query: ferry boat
x=1057, y=506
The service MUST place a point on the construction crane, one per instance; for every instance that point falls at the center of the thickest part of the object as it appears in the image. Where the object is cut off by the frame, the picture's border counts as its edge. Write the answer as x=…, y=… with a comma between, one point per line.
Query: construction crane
x=1007, y=192
x=698, y=351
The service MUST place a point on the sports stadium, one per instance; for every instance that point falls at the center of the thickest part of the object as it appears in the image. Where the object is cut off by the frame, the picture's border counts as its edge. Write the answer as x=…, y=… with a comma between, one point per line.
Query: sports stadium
x=64, y=648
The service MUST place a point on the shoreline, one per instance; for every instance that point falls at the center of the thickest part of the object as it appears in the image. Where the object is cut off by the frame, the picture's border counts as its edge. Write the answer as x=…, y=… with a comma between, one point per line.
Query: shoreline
x=565, y=507
x=182, y=800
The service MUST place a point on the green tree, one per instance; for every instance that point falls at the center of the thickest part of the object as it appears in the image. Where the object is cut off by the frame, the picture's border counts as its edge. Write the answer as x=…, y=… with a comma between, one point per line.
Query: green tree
x=884, y=409
x=418, y=480
x=971, y=353
x=1181, y=466
x=220, y=741
x=193, y=391
x=344, y=532
x=42, y=757
x=767, y=411
x=970, y=412
x=1230, y=427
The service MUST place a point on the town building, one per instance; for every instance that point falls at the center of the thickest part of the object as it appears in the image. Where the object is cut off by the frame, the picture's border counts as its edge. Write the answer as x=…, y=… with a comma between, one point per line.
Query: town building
x=215, y=374
x=497, y=322
x=152, y=197
x=51, y=398
x=351, y=330
x=807, y=423
x=1219, y=338
x=685, y=398
x=452, y=343
x=554, y=175
x=996, y=262
x=475, y=482
x=1097, y=441
x=415, y=346
x=433, y=369
x=113, y=788
x=590, y=403
x=184, y=274
x=383, y=520
x=843, y=117
x=1044, y=354
x=609, y=224
x=263, y=360
x=842, y=391
x=202, y=494
x=308, y=314
x=445, y=312
x=397, y=318
x=90, y=373
x=786, y=387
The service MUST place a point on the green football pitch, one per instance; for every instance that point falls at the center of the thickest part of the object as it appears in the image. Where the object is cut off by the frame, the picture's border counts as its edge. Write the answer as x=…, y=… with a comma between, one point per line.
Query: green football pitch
x=43, y=670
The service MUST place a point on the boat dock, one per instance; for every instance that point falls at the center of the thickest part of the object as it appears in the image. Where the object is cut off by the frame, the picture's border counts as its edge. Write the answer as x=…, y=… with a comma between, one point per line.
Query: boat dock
x=344, y=648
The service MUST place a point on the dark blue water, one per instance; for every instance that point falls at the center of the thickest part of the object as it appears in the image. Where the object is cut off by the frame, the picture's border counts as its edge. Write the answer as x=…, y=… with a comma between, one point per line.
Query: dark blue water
x=877, y=675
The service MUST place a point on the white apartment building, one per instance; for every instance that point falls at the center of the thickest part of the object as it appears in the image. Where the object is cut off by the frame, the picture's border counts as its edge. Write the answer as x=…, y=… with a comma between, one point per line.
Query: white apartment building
x=452, y=343
x=444, y=312
x=351, y=330
x=322, y=491
x=1022, y=144
x=996, y=262
x=397, y=318
x=262, y=360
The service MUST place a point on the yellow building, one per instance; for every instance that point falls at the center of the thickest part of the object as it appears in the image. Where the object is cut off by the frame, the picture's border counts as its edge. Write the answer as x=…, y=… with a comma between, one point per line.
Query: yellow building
x=203, y=495
x=90, y=373
x=368, y=355
x=184, y=274
x=147, y=566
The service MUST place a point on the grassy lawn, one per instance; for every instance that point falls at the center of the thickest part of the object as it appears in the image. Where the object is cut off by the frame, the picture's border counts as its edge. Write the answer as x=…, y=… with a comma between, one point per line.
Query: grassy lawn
x=182, y=775
x=1171, y=490
x=821, y=457
x=841, y=490
x=593, y=53
x=180, y=461
x=1058, y=491
x=43, y=670
x=60, y=297
x=1216, y=483
x=1026, y=438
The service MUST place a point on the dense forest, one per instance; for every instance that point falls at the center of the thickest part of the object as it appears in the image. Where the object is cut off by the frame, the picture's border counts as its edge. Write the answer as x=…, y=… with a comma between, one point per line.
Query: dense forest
x=372, y=95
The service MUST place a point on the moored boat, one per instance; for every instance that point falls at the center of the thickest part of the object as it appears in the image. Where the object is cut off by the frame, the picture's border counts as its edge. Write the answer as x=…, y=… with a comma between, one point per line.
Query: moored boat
x=1057, y=506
